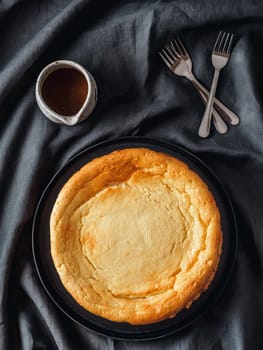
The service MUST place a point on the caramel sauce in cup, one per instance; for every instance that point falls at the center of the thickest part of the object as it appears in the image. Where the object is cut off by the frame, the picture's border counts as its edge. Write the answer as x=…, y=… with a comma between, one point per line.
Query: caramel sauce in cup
x=66, y=92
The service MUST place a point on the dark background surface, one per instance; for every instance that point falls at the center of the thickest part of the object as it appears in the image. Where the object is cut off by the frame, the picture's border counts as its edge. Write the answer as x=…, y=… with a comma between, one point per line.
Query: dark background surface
x=118, y=42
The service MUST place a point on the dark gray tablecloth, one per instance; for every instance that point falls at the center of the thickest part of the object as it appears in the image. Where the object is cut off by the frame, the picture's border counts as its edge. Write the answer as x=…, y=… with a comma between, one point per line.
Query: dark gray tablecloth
x=118, y=42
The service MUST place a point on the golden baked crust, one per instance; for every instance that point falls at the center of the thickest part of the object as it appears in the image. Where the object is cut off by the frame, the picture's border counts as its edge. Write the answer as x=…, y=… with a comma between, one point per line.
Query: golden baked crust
x=135, y=236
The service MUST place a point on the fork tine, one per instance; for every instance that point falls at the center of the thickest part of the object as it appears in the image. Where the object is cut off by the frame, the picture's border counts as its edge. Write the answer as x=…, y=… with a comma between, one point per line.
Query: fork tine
x=182, y=47
x=230, y=44
x=223, y=43
x=171, y=46
x=167, y=56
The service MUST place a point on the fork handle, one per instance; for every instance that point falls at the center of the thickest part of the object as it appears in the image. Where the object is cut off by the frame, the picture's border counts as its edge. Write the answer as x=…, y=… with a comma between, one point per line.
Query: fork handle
x=231, y=116
x=219, y=123
x=204, y=128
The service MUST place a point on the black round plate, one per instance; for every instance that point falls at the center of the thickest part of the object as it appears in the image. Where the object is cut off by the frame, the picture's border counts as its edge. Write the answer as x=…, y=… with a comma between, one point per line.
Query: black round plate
x=51, y=281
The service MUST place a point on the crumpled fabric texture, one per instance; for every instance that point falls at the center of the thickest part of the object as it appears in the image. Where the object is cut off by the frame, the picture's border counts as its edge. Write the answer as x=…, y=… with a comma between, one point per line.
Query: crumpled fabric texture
x=118, y=41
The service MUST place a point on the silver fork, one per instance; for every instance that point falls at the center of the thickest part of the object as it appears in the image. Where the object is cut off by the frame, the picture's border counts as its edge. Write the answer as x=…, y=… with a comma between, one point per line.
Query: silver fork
x=179, y=62
x=220, y=57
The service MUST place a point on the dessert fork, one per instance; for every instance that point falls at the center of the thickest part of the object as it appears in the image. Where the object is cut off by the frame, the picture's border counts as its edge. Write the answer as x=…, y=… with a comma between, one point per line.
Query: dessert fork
x=220, y=57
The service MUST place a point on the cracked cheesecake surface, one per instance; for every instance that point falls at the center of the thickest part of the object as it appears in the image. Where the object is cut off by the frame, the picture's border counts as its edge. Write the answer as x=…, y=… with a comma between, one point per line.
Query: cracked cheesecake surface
x=135, y=236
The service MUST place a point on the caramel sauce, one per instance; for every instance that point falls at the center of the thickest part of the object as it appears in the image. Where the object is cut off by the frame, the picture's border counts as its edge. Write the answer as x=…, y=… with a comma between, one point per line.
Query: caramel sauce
x=65, y=91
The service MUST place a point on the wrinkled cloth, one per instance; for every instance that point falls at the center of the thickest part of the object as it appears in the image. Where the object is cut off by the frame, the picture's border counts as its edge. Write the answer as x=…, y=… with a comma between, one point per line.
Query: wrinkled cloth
x=118, y=42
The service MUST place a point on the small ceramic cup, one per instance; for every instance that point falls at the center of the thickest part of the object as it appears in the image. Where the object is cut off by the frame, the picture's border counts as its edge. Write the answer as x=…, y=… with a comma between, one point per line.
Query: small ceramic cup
x=88, y=105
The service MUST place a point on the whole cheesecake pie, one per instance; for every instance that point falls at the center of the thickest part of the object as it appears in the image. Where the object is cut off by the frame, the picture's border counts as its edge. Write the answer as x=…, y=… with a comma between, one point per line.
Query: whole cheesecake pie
x=135, y=236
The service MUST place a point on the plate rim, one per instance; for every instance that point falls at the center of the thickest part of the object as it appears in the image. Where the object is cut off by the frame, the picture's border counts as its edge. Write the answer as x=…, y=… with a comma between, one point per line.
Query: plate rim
x=141, y=141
